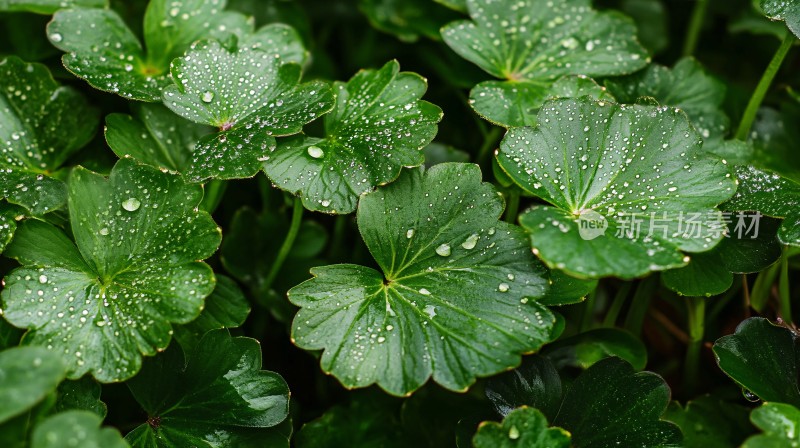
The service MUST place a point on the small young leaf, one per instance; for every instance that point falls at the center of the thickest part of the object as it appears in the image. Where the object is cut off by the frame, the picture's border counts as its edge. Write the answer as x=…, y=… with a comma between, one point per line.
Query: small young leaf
x=772, y=195
x=102, y=49
x=155, y=136
x=378, y=126
x=48, y=6
x=217, y=396
x=531, y=43
x=75, y=428
x=524, y=427
x=762, y=358
x=708, y=422
x=785, y=10
x=110, y=297
x=686, y=86
x=226, y=307
x=28, y=374
x=780, y=423
x=34, y=111
x=535, y=383
x=251, y=96
x=456, y=298
x=629, y=186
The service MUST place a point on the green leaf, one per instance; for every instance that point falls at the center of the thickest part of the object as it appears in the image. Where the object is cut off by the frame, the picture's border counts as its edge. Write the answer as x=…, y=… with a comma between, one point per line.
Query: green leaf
x=407, y=19
x=774, y=137
x=378, y=125
x=609, y=405
x=535, y=383
x=762, y=358
x=651, y=17
x=111, y=58
x=75, y=428
x=218, y=396
x=456, y=298
x=9, y=335
x=250, y=96
x=15, y=433
x=111, y=297
x=515, y=104
x=531, y=43
x=785, y=10
x=708, y=422
x=82, y=394
x=524, y=427
x=49, y=6
x=437, y=153
x=629, y=187
x=28, y=374
x=686, y=86
x=8, y=223
x=34, y=111
x=155, y=136
x=772, y=195
x=365, y=421
x=780, y=423
x=705, y=275
x=226, y=307
x=587, y=348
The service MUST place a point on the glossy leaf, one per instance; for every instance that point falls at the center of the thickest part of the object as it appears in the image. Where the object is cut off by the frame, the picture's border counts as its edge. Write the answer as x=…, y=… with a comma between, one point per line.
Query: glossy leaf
x=102, y=50
x=217, y=396
x=28, y=374
x=762, y=358
x=378, y=125
x=8, y=224
x=587, y=348
x=251, y=96
x=524, y=427
x=771, y=195
x=154, y=136
x=75, y=428
x=456, y=298
x=48, y=6
x=535, y=383
x=34, y=110
x=609, y=405
x=531, y=43
x=780, y=423
x=785, y=10
x=112, y=296
x=686, y=86
x=774, y=136
x=709, y=422
x=82, y=394
x=407, y=19
x=629, y=187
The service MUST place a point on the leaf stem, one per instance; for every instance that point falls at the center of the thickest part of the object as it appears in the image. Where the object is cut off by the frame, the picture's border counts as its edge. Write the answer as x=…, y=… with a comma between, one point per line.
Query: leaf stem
x=513, y=206
x=588, y=311
x=641, y=301
x=763, y=86
x=212, y=195
x=695, y=26
x=616, y=305
x=783, y=289
x=759, y=294
x=696, y=314
x=288, y=242
x=489, y=143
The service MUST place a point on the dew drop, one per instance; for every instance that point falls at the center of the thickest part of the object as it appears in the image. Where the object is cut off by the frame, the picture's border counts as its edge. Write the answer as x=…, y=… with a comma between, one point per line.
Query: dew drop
x=513, y=433
x=315, y=152
x=749, y=396
x=424, y=292
x=443, y=250
x=56, y=37
x=131, y=204
x=42, y=279
x=430, y=310
x=409, y=233
x=502, y=287
x=207, y=96
x=470, y=242
x=104, y=231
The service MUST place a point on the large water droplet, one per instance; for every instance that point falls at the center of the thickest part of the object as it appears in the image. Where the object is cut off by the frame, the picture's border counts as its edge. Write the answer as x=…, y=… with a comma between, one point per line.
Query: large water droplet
x=470, y=242
x=409, y=233
x=315, y=152
x=502, y=287
x=104, y=231
x=443, y=250
x=131, y=204
x=56, y=37
x=42, y=279
x=749, y=396
x=207, y=97
x=424, y=292
x=513, y=433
